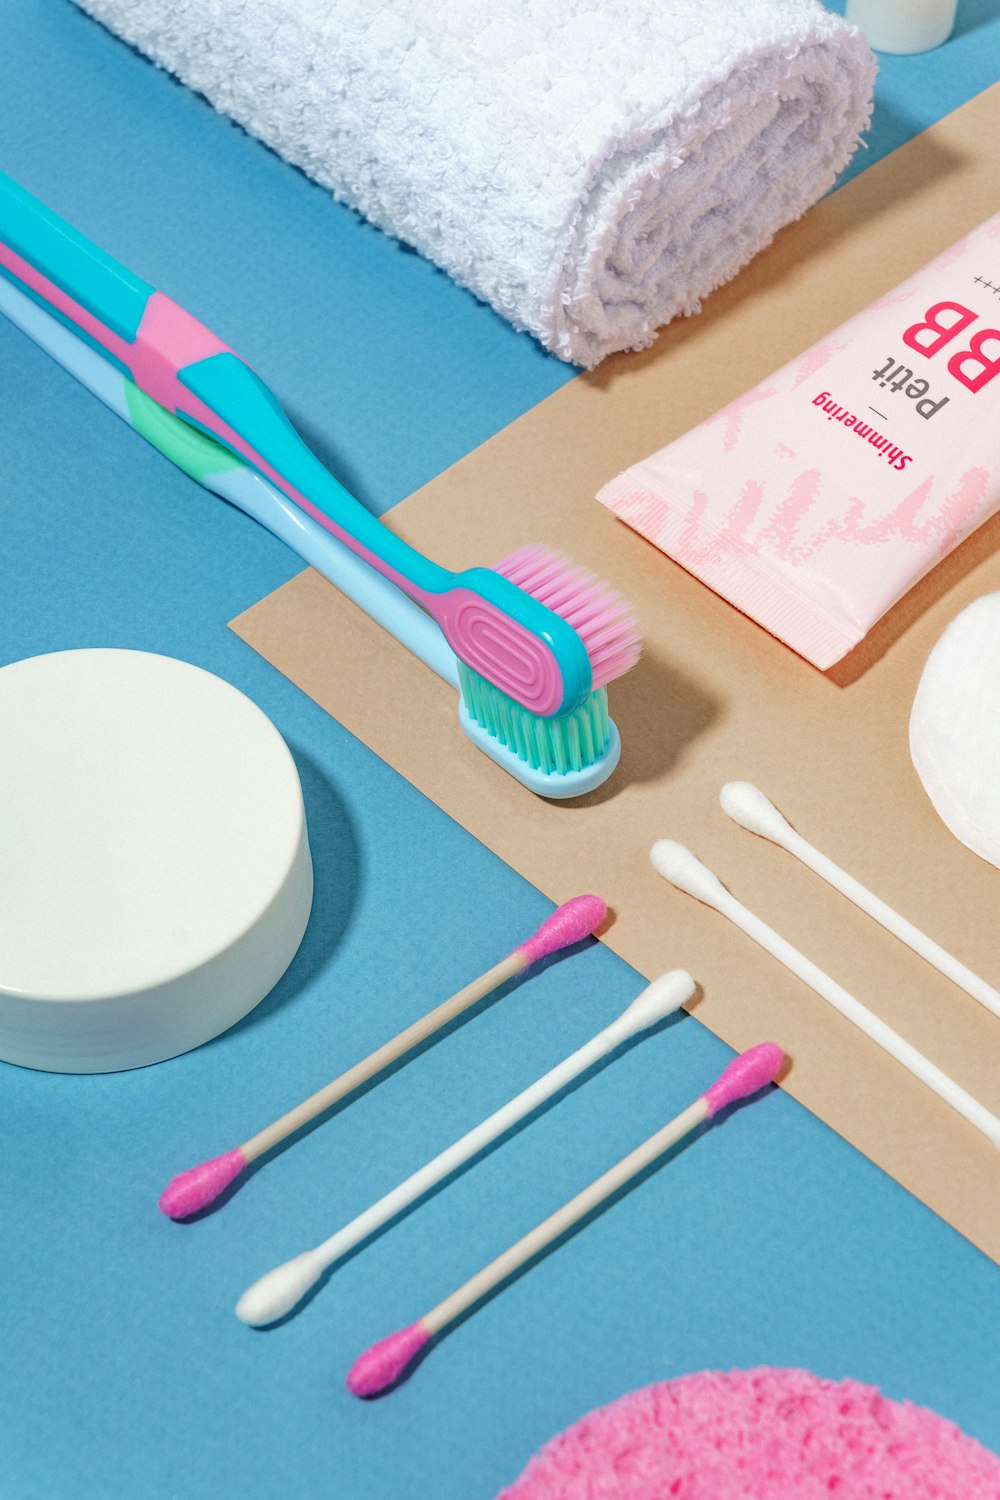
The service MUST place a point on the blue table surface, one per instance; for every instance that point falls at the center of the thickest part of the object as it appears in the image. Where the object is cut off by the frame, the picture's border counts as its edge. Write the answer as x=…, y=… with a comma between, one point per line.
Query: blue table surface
x=768, y=1241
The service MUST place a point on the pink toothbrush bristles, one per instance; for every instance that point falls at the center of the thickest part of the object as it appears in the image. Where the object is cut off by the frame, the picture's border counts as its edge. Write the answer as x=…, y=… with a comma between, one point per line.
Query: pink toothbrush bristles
x=199, y=1186
x=601, y=618
x=383, y=1364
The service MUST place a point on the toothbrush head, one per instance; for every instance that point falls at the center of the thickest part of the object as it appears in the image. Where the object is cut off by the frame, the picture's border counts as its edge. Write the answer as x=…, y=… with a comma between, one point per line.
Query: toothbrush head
x=556, y=754
x=563, y=756
x=601, y=618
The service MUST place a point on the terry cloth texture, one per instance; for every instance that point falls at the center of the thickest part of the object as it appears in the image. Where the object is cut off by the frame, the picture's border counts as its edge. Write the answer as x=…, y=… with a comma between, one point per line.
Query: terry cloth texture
x=590, y=168
x=760, y=1435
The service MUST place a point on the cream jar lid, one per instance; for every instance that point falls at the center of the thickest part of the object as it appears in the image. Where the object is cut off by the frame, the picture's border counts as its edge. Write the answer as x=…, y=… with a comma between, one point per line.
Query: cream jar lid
x=155, y=877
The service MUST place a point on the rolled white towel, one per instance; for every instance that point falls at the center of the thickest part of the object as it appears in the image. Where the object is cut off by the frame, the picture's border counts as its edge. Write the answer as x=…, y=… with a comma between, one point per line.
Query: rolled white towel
x=591, y=168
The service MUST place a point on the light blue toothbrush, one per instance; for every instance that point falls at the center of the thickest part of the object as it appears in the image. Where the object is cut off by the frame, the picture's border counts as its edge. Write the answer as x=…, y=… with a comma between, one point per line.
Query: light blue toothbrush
x=530, y=643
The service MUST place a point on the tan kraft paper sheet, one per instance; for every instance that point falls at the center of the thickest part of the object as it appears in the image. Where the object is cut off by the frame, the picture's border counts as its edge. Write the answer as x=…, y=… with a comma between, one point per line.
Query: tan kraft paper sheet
x=716, y=698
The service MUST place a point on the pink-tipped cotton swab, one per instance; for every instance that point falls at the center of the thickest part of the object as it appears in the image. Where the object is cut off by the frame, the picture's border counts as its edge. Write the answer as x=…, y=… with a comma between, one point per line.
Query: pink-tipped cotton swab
x=275, y=1293
x=199, y=1186
x=384, y=1363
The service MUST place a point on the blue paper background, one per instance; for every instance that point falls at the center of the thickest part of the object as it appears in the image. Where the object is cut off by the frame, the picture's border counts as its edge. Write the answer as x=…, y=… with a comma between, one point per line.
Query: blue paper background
x=124, y=1373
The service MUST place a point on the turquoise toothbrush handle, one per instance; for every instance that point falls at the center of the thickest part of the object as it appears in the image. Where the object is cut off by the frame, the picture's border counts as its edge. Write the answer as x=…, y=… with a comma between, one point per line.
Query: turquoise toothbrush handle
x=499, y=630
x=110, y=297
x=163, y=349
x=220, y=472
x=223, y=474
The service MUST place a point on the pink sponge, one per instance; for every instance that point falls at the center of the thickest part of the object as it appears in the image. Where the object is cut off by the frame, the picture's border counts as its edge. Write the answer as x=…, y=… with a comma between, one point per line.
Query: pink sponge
x=760, y=1435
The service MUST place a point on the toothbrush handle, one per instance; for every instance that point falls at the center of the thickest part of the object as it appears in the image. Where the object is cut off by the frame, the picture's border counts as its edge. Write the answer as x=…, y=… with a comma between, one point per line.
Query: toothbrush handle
x=92, y=290
x=229, y=477
x=496, y=628
x=181, y=364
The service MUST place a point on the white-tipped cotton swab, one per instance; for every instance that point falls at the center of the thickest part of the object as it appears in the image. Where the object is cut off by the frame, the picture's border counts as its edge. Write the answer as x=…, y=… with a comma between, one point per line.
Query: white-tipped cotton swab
x=193, y=1190
x=277, y=1292
x=381, y=1366
x=680, y=867
x=749, y=807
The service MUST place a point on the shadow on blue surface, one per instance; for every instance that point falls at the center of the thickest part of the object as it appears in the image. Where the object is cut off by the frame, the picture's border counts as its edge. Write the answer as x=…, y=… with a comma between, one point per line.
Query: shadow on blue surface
x=336, y=859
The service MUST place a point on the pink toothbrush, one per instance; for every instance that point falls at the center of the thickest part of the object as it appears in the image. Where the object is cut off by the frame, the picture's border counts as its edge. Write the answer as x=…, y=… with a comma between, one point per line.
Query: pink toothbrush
x=199, y=1186
x=531, y=643
x=381, y=1366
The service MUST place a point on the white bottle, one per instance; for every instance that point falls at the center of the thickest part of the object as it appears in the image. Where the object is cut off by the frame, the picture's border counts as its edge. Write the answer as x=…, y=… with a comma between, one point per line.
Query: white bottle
x=903, y=26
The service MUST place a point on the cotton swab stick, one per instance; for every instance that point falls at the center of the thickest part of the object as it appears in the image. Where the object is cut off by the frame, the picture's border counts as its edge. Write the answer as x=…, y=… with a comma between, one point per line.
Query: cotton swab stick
x=383, y=1364
x=678, y=865
x=194, y=1189
x=748, y=806
x=277, y=1292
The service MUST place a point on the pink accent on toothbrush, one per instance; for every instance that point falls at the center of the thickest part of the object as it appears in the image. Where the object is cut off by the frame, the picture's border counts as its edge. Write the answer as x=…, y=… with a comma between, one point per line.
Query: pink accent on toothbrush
x=168, y=339
x=744, y=1076
x=600, y=617
x=194, y=1189
x=496, y=647
x=569, y=923
x=383, y=1364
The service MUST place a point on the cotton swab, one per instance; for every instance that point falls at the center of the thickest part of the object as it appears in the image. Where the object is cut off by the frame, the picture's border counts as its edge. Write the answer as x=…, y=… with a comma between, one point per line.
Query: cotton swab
x=194, y=1189
x=678, y=865
x=277, y=1292
x=384, y=1363
x=749, y=807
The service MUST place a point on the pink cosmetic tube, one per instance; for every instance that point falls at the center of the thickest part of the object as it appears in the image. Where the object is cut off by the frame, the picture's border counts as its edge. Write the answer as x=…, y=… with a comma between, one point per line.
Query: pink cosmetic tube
x=816, y=500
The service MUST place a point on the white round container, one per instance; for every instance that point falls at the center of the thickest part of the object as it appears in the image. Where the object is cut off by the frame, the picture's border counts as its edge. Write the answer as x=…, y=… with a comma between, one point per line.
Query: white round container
x=155, y=877
x=902, y=26
x=955, y=728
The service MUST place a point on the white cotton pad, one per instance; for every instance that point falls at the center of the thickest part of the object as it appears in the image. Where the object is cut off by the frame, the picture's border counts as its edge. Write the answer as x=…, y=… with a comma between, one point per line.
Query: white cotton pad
x=155, y=877
x=955, y=727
